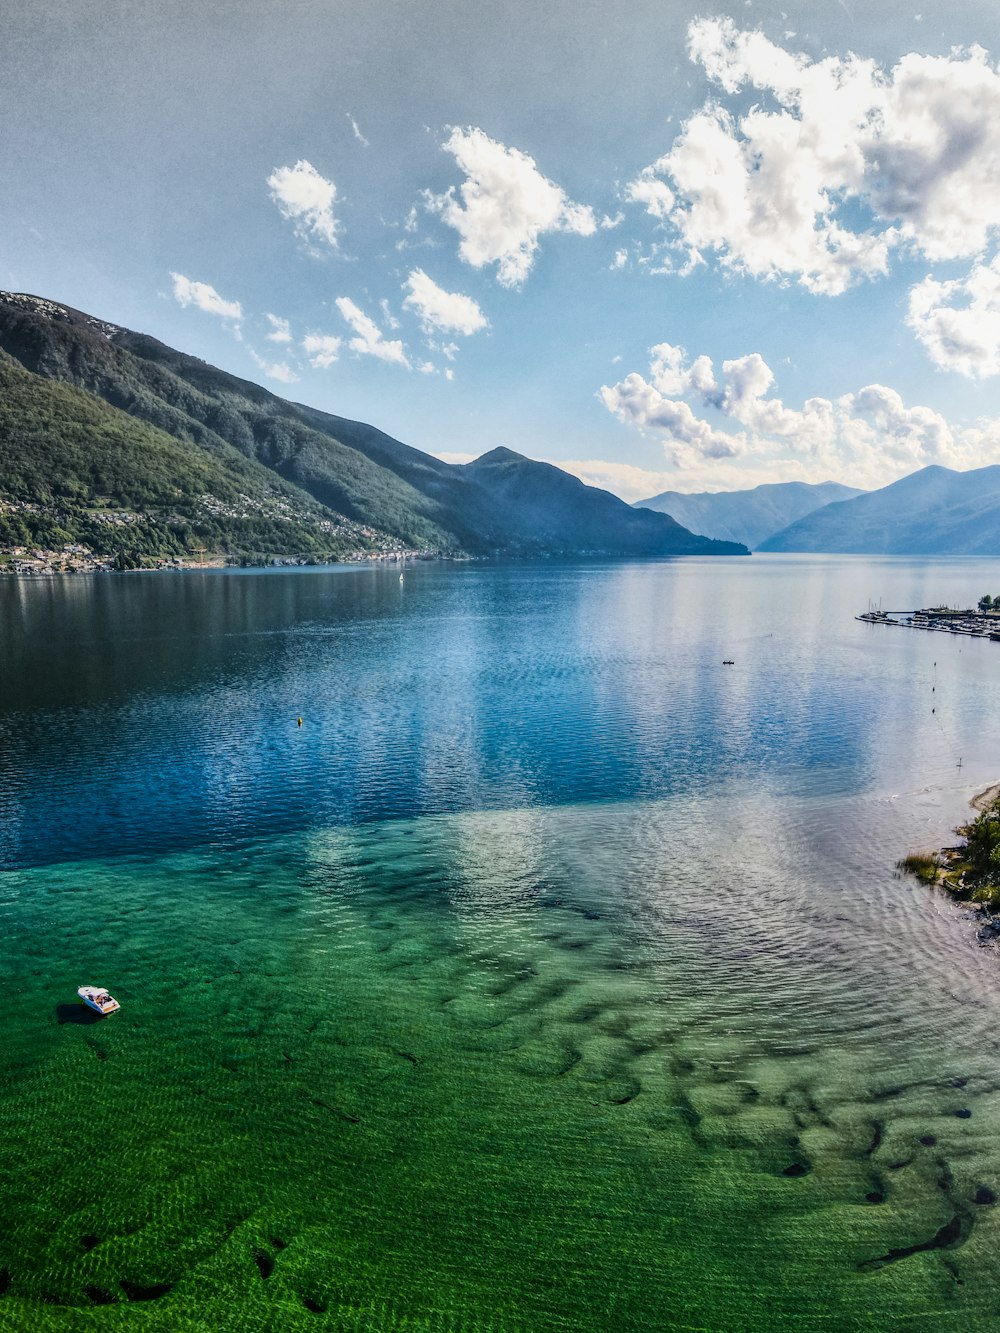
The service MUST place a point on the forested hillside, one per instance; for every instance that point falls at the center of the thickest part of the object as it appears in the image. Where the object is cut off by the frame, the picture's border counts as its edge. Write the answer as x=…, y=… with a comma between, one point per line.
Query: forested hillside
x=249, y=474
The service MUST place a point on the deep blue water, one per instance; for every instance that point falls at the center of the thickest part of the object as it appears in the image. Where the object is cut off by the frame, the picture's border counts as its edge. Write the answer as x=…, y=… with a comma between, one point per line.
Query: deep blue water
x=158, y=711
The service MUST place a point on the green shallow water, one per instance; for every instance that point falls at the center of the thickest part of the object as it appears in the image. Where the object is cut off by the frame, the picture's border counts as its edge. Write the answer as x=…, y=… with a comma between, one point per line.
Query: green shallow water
x=428, y=1075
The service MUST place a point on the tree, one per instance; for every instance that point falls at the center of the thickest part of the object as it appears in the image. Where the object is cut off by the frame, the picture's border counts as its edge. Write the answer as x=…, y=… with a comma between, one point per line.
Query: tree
x=985, y=603
x=982, y=840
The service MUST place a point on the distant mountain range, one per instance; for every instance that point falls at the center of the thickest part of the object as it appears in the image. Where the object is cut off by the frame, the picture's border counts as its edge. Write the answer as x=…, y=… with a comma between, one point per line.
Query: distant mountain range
x=931, y=512
x=750, y=517
x=935, y=511
x=121, y=445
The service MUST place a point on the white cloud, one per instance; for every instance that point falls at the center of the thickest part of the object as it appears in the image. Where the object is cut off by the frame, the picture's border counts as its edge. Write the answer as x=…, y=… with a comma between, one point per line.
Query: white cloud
x=306, y=199
x=867, y=438
x=620, y=259
x=322, y=349
x=275, y=370
x=958, y=322
x=505, y=204
x=368, y=339
x=837, y=162
x=204, y=297
x=456, y=458
x=686, y=437
x=357, y=133
x=441, y=311
x=281, y=330
x=622, y=479
x=655, y=194
x=934, y=160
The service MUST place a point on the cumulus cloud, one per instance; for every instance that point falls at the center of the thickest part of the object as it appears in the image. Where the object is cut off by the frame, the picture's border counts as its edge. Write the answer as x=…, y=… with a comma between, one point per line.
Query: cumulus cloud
x=368, y=339
x=958, y=322
x=655, y=195
x=204, y=297
x=836, y=164
x=867, y=438
x=306, y=199
x=322, y=349
x=281, y=330
x=504, y=205
x=440, y=311
x=686, y=436
x=275, y=370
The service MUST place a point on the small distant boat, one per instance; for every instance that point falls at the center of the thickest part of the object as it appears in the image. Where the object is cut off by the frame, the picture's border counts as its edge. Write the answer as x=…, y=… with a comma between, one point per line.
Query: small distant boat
x=96, y=997
x=728, y=661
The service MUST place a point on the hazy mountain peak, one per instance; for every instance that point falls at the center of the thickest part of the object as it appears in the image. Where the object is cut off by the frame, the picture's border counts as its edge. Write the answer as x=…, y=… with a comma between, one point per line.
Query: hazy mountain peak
x=749, y=516
x=934, y=511
x=501, y=454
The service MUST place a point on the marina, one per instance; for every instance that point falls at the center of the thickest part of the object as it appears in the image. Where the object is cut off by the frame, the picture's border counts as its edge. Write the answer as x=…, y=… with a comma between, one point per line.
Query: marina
x=981, y=623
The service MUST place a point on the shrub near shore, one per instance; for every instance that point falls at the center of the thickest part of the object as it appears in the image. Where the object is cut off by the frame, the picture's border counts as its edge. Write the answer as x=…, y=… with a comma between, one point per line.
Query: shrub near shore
x=970, y=870
x=926, y=867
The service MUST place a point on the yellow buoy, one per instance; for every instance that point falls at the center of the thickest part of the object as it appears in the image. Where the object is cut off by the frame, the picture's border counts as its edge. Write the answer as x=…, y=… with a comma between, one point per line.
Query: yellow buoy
x=300, y=722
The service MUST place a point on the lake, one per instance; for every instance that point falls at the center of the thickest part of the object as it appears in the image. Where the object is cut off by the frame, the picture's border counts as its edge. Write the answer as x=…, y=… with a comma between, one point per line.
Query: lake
x=551, y=974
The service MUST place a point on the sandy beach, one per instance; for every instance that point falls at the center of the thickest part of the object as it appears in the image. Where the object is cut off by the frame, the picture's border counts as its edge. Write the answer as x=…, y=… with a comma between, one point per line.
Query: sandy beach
x=987, y=797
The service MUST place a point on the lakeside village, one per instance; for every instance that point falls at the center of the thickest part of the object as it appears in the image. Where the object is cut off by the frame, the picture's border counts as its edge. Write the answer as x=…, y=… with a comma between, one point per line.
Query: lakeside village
x=981, y=623
x=77, y=559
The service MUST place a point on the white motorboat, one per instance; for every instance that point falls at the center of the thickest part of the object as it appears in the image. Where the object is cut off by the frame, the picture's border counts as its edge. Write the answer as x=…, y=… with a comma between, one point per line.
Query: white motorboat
x=96, y=997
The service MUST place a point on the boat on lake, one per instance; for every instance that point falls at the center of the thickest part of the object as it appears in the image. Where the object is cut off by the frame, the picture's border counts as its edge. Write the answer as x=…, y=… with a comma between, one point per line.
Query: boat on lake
x=96, y=997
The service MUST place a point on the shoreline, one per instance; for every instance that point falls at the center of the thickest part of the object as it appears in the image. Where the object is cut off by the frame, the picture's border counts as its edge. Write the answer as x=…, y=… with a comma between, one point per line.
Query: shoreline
x=963, y=870
x=985, y=798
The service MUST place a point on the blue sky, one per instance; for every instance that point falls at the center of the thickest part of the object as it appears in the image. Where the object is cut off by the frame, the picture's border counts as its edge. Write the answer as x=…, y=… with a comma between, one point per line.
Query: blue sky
x=665, y=246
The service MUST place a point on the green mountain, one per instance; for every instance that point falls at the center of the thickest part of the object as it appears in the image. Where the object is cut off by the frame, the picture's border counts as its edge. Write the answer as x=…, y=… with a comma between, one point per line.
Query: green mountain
x=177, y=443
x=750, y=516
x=935, y=511
x=75, y=471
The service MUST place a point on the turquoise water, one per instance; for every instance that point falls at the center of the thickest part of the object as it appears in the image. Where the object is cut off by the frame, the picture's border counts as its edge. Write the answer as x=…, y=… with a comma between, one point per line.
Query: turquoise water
x=551, y=975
